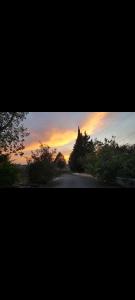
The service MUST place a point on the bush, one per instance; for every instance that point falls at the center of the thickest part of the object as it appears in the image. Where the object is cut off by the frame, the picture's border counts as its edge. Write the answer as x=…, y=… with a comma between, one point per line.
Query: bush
x=41, y=167
x=90, y=164
x=107, y=169
x=109, y=160
x=8, y=172
x=60, y=161
x=127, y=167
x=40, y=172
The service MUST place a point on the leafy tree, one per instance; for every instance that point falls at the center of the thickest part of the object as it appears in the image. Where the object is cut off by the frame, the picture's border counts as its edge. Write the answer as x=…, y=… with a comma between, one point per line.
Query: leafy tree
x=111, y=160
x=60, y=161
x=12, y=132
x=105, y=160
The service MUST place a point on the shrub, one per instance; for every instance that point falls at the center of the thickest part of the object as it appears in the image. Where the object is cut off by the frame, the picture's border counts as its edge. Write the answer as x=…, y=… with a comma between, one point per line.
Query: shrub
x=107, y=169
x=90, y=164
x=8, y=172
x=41, y=167
x=60, y=161
x=40, y=172
x=109, y=160
x=127, y=168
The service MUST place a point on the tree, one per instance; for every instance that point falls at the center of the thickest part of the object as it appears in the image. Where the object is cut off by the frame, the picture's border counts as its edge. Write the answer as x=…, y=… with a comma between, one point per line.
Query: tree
x=76, y=154
x=83, y=146
x=12, y=132
x=60, y=161
x=110, y=160
x=41, y=167
x=8, y=171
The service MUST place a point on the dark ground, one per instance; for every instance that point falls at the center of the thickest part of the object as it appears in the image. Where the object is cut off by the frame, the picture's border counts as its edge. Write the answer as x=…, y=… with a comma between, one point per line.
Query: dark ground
x=77, y=181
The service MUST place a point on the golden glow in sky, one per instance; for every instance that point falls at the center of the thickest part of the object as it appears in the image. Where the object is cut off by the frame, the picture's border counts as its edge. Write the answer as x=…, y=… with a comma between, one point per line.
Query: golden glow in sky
x=93, y=122
x=59, y=130
x=63, y=137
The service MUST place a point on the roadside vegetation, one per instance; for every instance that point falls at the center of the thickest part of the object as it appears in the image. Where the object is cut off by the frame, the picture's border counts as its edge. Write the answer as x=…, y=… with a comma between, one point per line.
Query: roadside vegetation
x=105, y=160
x=12, y=137
x=44, y=165
x=8, y=172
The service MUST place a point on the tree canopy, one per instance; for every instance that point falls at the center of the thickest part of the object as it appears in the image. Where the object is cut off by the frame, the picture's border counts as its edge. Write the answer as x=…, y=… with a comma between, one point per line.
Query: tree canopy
x=41, y=167
x=106, y=160
x=82, y=147
x=12, y=132
x=60, y=161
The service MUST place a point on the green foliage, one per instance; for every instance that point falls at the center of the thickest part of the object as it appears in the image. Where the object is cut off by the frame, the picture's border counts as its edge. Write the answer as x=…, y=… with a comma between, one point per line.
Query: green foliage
x=90, y=163
x=105, y=160
x=8, y=172
x=109, y=160
x=127, y=167
x=41, y=167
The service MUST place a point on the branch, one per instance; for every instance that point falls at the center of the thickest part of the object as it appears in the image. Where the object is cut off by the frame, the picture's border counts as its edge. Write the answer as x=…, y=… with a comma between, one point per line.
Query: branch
x=2, y=128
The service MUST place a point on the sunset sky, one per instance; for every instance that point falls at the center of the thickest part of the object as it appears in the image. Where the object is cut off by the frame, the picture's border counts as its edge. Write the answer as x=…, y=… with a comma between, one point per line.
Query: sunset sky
x=59, y=129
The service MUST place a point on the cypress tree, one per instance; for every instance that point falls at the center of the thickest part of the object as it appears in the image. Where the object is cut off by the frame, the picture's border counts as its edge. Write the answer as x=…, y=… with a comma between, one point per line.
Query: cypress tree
x=80, y=150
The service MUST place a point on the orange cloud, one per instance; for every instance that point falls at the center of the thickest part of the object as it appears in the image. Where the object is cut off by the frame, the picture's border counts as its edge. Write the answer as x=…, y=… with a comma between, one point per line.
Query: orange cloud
x=59, y=137
x=94, y=122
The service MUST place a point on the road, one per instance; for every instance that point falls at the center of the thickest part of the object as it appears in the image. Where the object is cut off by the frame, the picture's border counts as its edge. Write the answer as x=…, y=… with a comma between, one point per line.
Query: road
x=76, y=180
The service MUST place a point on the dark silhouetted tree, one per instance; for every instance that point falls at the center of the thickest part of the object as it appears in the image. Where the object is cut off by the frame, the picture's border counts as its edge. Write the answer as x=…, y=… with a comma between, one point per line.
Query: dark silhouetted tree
x=8, y=171
x=41, y=167
x=12, y=132
x=60, y=161
x=82, y=147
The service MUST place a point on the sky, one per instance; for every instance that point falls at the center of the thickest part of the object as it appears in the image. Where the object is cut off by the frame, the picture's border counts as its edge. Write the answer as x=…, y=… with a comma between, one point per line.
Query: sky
x=59, y=129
